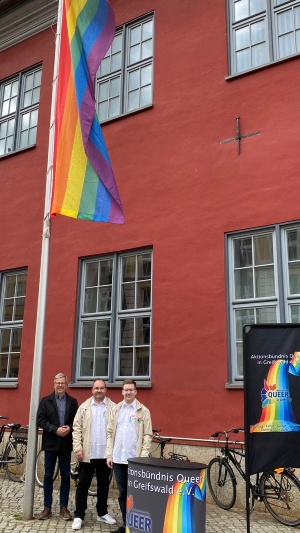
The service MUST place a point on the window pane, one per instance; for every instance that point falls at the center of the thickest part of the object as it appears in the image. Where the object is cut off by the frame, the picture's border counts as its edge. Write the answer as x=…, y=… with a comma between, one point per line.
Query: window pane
x=105, y=66
x=135, y=54
x=142, y=333
x=133, y=100
x=258, y=32
x=294, y=278
x=144, y=266
x=134, y=80
x=115, y=87
x=88, y=334
x=143, y=294
x=257, y=6
x=264, y=282
x=14, y=365
x=241, y=9
x=147, y=30
x=242, y=317
x=103, y=333
x=259, y=55
x=295, y=313
x=90, y=300
x=146, y=75
x=266, y=315
x=263, y=249
x=87, y=363
x=146, y=96
x=16, y=339
x=126, y=331
x=128, y=264
x=297, y=17
x=5, y=339
x=101, y=362
x=126, y=362
x=285, y=22
x=103, y=110
x=142, y=361
x=117, y=44
x=116, y=62
x=243, y=282
x=242, y=38
x=243, y=60
x=147, y=49
x=106, y=272
x=286, y=45
x=19, y=308
x=91, y=274
x=293, y=242
x=114, y=107
x=104, y=299
x=135, y=35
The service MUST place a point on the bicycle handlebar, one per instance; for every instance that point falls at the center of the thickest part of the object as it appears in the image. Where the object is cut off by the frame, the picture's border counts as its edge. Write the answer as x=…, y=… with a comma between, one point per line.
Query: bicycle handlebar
x=219, y=433
x=4, y=417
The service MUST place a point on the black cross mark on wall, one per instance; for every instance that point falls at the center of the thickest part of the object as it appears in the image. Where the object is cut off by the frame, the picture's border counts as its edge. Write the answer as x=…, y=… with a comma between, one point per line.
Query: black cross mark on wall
x=238, y=136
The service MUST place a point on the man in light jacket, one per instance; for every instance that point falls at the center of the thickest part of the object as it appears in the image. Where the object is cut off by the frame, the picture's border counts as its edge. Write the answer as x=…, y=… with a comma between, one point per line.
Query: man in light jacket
x=129, y=433
x=89, y=445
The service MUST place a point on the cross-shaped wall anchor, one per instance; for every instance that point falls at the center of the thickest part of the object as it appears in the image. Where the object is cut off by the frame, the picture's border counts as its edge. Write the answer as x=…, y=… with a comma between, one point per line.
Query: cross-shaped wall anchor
x=238, y=136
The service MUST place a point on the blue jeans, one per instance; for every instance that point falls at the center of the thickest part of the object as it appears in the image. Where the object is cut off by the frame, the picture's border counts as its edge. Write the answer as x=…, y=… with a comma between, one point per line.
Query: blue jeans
x=121, y=475
x=64, y=460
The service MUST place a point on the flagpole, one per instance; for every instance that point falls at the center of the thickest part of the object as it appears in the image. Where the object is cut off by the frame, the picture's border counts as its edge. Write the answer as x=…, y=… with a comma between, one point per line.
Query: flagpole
x=42, y=297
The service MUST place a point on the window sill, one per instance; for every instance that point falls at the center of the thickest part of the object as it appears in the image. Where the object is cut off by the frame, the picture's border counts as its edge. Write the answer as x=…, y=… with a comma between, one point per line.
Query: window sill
x=114, y=385
x=261, y=67
x=8, y=384
x=235, y=385
x=18, y=151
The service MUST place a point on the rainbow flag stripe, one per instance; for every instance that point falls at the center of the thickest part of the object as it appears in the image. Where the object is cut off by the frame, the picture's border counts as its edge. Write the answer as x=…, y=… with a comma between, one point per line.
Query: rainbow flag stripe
x=84, y=186
x=180, y=515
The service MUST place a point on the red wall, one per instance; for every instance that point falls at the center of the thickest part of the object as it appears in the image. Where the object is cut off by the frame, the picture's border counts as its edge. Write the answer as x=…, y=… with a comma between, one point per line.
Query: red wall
x=181, y=190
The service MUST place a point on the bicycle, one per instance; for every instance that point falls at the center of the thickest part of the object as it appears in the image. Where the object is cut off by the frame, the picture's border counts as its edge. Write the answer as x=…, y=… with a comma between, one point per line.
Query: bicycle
x=13, y=457
x=161, y=442
x=74, y=472
x=278, y=489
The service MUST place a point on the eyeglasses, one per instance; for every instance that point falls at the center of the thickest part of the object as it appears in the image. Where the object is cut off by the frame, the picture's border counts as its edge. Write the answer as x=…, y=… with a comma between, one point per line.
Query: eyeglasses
x=128, y=390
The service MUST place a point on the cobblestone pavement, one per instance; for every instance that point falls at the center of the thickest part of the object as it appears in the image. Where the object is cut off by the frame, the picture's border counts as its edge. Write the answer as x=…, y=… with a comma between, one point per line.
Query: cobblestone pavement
x=217, y=521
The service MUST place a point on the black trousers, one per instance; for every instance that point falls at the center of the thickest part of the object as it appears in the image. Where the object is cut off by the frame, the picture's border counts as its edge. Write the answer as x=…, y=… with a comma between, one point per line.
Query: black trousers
x=86, y=472
x=121, y=475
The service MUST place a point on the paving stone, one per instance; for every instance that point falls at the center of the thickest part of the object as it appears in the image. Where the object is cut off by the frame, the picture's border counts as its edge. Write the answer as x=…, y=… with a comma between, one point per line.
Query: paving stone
x=217, y=520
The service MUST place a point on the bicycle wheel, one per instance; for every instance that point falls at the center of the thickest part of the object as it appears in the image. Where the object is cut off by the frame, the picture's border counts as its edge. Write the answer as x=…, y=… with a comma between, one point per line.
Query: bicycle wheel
x=281, y=495
x=15, y=455
x=221, y=482
x=40, y=468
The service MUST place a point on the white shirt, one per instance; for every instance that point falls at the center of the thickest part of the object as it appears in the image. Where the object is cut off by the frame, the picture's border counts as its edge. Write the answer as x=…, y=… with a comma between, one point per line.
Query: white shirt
x=126, y=436
x=98, y=429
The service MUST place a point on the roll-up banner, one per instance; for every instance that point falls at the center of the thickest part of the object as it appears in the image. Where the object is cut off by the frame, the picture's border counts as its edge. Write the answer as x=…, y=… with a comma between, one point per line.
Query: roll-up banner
x=272, y=396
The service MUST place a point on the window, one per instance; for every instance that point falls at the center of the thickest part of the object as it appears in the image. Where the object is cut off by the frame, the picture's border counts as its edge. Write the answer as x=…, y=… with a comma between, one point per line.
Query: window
x=125, y=78
x=115, y=317
x=262, y=31
x=264, y=283
x=12, y=291
x=19, y=107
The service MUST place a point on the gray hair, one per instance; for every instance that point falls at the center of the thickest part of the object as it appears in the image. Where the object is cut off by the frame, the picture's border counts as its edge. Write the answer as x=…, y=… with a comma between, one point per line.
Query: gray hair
x=60, y=375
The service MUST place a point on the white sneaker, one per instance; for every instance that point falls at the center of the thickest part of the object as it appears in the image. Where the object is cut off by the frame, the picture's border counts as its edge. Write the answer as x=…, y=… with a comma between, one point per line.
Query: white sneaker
x=77, y=523
x=107, y=519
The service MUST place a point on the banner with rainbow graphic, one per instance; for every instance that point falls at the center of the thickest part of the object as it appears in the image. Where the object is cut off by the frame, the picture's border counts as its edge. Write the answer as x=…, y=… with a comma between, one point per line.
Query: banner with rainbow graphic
x=165, y=496
x=272, y=395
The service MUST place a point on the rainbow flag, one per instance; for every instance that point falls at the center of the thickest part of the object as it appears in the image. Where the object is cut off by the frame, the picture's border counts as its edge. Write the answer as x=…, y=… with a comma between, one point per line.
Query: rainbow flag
x=83, y=186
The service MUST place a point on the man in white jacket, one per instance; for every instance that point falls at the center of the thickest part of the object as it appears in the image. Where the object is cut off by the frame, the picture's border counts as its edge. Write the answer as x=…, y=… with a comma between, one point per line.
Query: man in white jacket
x=129, y=434
x=89, y=445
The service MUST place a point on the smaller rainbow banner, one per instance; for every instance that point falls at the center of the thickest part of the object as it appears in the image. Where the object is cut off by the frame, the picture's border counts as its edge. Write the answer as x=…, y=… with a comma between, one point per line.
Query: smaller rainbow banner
x=180, y=514
x=84, y=186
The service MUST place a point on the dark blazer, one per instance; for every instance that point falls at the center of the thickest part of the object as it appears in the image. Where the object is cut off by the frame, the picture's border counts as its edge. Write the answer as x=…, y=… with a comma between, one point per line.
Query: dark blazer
x=48, y=421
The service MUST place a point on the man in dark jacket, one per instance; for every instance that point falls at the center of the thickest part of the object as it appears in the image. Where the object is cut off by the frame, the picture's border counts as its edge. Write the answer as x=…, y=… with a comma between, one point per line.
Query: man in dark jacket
x=55, y=417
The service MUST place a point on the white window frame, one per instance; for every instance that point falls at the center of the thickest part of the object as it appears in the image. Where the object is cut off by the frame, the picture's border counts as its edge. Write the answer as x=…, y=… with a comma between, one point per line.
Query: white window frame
x=281, y=301
x=19, y=108
x=13, y=325
x=113, y=82
x=114, y=314
x=268, y=15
